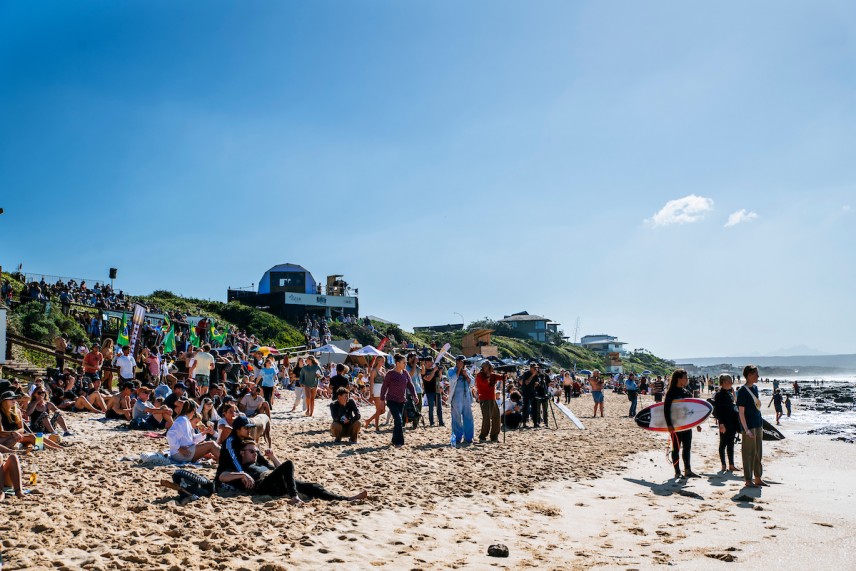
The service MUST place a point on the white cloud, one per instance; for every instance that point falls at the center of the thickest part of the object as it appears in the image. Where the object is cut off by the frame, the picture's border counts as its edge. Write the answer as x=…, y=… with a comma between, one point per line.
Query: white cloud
x=740, y=216
x=684, y=210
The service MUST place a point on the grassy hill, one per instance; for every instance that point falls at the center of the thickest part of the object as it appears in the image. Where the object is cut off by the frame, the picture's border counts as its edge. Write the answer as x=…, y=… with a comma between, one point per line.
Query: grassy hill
x=273, y=330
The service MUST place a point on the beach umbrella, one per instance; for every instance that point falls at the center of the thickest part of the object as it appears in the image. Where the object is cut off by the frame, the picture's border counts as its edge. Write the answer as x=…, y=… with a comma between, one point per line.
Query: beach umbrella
x=368, y=351
x=584, y=372
x=647, y=372
x=330, y=350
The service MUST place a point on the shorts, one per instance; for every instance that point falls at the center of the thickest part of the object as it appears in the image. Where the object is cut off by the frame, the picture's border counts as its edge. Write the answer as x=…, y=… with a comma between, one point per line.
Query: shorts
x=202, y=380
x=597, y=396
x=152, y=423
x=376, y=389
x=179, y=457
x=113, y=415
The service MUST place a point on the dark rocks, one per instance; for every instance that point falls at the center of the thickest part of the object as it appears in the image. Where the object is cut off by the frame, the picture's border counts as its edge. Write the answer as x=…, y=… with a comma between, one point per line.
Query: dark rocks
x=498, y=550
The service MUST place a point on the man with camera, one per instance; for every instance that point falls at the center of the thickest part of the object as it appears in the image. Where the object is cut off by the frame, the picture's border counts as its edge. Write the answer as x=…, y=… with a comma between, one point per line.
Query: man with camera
x=346, y=416
x=461, y=401
x=528, y=384
x=486, y=381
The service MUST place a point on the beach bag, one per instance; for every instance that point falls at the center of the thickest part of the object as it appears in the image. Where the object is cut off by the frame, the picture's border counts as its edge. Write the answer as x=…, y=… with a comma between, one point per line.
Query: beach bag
x=410, y=412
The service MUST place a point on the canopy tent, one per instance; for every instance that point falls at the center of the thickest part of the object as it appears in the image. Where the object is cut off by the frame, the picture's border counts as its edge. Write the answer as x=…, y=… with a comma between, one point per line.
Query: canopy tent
x=368, y=351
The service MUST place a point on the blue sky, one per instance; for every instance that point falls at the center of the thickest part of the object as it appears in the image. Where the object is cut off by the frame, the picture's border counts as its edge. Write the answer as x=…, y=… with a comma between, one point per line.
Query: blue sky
x=477, y=157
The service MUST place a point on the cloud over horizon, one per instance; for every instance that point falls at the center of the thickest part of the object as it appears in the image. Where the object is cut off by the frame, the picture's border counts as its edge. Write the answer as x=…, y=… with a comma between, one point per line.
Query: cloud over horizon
x=740, y=217
x=691, y=208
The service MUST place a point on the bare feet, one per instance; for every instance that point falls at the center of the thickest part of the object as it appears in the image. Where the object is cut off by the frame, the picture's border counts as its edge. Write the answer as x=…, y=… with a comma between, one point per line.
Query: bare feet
x=295, y=500
x=759, y=483
x=361, y=496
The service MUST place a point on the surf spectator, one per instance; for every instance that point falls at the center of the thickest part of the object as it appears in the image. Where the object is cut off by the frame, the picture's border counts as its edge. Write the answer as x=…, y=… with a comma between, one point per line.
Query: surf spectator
x=777, y=400
x=513, y=415
x=749, y=409
x=43, y=414
x=657, y=388
x=185, y=443
x=92, y=363
x=126, y=364
x=147, y=416
x=567, y=386
x=415, y=368
x=375, y=378
x=461, y=399
x=120, y=406
x=527, y=392
x=596, y=383
x=788, y=404
x=346, y=416
x=309, y=376
x=682, y=442
x=632, y=394
x=254, y=403
x=12, y=430
x=10, y=475
x=200, y=367
x=268, y=376
x=396, y=385
x=725, y=411
x=433, y=391
x=486, y=381
x=339, y=380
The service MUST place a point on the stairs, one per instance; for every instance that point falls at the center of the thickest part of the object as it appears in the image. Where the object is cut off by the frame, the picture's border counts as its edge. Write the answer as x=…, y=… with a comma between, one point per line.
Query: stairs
x=21, y=369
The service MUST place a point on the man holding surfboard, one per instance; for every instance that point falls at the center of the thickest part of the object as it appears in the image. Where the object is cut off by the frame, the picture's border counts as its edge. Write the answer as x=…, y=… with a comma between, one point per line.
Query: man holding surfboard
x=749, y=409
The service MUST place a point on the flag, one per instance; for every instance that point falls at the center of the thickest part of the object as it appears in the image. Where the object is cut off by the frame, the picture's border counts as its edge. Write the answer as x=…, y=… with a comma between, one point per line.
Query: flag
x=123, y=339
x=194, y=339
x=169, y=338
x=219, y=338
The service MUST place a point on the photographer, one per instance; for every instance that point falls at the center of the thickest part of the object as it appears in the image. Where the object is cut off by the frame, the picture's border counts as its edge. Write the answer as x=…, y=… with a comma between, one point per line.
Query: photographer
x=541, y=391
x=346, y=416
x=527, y=391
x=486, y=381
x=461, y=401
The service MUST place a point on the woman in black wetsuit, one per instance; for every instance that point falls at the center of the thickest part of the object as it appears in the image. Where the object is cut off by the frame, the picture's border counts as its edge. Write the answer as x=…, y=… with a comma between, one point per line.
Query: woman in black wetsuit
x=681, y=441
x=725, y=410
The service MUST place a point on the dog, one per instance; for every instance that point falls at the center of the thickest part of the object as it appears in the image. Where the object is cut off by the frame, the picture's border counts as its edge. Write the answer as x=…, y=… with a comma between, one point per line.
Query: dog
x=262, y=429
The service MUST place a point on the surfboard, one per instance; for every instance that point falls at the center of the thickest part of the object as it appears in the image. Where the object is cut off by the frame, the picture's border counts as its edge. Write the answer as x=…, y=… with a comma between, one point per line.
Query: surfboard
x=442, y=353
x=686, y=414
x=770, y=431
x=567, y=412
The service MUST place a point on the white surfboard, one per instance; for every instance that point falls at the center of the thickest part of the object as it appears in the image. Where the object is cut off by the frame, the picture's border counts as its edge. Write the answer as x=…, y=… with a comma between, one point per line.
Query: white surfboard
x=686, y=414
x=442, y=353
x=567, y=412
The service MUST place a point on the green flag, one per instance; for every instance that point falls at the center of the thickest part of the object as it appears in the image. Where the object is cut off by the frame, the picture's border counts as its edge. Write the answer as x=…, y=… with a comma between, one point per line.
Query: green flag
x=122, y=339
x=194, y=339
x=219, y=338
x=169, y=338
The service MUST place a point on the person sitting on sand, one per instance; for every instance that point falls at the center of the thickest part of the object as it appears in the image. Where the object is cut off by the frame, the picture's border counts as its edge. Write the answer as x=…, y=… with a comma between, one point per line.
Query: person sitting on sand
x=208, y=416
x=228, y=413
x=266, y=475
x=346, y=417
x=39, y=411
x=179, y=392
x=513, y=413
x=12, y=425
x=151, y=417
x=185, y=444
x=120, y=406
x=10, y=475
x=254, y=403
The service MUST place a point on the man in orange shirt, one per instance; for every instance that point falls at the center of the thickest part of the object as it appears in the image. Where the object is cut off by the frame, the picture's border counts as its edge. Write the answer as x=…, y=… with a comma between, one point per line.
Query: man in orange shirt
x=92, y=363
x=486, y=381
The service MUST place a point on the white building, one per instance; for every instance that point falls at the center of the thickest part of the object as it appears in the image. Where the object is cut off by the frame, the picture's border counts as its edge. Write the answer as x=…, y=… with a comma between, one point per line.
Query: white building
x=603, y=344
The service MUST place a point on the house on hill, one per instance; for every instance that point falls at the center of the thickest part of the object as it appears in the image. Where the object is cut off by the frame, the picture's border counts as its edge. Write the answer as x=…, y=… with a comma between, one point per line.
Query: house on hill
x=536, y=327
x=603, y=344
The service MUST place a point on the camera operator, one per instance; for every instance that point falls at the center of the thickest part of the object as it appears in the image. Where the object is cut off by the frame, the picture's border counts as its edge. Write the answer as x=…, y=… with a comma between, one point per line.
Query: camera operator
x=486, y=381
x=527, y=391
x=541, y=391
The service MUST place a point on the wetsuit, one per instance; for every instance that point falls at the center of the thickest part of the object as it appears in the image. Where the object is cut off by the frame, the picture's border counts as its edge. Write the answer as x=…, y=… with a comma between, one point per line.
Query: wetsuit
x=683, y=440
x=726, y=414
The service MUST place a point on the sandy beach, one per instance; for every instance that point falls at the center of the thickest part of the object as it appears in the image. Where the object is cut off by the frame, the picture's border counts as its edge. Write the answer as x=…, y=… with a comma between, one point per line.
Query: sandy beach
x=602, y=498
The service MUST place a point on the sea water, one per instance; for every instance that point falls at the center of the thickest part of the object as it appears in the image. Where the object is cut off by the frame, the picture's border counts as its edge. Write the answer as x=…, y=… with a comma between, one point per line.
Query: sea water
x=827, y=405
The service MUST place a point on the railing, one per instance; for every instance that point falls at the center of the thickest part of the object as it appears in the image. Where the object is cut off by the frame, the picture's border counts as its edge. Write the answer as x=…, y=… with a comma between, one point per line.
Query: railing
x=50, y=280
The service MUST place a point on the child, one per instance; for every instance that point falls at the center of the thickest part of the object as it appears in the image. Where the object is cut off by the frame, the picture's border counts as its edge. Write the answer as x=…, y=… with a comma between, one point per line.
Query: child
x=788, y=404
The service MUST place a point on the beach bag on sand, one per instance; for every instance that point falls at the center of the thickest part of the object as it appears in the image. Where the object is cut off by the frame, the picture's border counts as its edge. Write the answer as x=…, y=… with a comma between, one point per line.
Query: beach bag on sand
x=410, y=412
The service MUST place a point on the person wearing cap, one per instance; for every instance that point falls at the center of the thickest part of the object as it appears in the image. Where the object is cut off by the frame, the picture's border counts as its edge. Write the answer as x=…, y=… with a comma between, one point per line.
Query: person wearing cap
x=527, y=391
x=150, y=416
x=461, y=402
x=396, y=385
x=185, y=444
x=239, y=427
x=486, y=381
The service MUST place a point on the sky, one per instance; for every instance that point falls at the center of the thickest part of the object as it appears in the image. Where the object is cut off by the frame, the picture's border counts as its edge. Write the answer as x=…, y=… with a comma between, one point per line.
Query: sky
x=679, y=175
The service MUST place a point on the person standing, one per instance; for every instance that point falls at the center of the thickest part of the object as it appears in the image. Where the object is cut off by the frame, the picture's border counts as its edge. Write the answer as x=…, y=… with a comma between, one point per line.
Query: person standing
x=486, y=381
x=777, y=399
x=788, y=404
x=632, y=394
x=461, y=400
x=433, y=391
x=127, y=366
x=415, y=369
x=749, y=409
x=682, y=442
x=339, y=380
x=527, y=392
x=201, y=366
x=309, y=376
x=567, y=386
x=729, y=422
x=268, y=383
x=396, y=385
x=658, y=387
x=596, y=383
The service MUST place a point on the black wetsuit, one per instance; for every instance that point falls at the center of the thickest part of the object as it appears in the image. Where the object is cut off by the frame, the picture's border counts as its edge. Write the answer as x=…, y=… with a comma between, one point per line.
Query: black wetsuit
x=680, y=440
x=726, y=414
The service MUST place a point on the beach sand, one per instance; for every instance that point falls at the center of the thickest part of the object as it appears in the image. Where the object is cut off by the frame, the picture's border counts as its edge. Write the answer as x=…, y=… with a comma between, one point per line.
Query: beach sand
x=557, y=498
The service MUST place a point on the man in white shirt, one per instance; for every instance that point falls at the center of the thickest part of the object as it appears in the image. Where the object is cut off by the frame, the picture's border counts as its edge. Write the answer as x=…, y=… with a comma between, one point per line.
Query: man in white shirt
x=200, y=368
x=126, y=364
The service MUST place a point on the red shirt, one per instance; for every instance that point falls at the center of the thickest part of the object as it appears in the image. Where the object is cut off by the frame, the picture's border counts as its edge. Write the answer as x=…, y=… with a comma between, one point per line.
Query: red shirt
x=92, y=362
x=485, y=386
